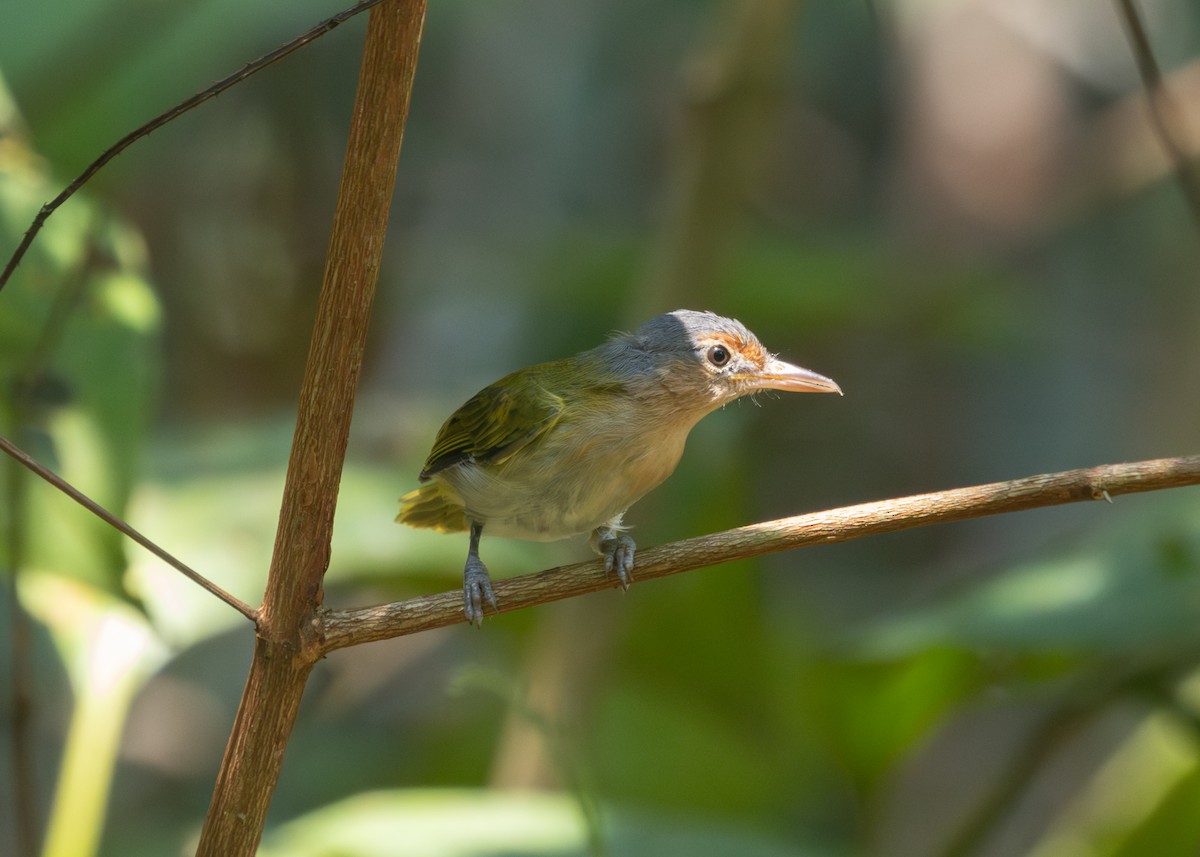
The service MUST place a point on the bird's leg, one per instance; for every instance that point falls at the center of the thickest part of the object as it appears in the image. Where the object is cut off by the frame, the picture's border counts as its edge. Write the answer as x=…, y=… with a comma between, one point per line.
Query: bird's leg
x=477, y=585
x=617, y=550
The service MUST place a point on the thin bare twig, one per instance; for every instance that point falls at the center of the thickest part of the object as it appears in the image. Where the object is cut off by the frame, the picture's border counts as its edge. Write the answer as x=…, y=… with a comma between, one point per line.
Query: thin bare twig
x=351, y=627
x=118, y=524
x=174, y=113
x=1163, y=112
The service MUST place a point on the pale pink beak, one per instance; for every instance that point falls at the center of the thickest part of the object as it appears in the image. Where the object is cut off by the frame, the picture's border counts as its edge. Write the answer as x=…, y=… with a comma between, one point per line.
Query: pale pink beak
x=777, y=375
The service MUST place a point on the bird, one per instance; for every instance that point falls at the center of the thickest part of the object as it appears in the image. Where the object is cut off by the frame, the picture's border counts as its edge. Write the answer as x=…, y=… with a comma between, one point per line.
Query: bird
x=566, y=447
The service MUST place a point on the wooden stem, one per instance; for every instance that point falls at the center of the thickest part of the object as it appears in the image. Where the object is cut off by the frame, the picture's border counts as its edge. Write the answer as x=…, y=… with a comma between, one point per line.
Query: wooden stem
x=287, y=646
x=343, y=628
x=1164, y=113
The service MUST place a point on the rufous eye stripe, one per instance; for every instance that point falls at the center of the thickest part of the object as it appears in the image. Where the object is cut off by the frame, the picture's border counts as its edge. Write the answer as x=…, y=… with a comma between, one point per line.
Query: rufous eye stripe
x=747, y=348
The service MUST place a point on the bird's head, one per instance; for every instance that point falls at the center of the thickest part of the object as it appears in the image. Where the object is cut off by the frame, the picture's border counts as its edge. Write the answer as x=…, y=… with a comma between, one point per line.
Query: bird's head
x=714, y=360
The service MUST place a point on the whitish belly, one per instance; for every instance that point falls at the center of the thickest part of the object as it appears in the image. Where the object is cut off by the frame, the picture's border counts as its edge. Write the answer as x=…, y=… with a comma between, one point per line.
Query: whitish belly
x=592, y=485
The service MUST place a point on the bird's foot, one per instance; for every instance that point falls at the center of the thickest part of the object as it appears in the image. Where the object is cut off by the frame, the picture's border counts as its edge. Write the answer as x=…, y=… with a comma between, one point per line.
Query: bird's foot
x=617, y=550
x=477, y=589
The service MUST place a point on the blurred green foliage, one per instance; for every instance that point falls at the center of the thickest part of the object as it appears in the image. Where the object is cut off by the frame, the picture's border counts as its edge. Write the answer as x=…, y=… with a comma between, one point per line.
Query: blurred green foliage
x=949, y=208
x=79, y=362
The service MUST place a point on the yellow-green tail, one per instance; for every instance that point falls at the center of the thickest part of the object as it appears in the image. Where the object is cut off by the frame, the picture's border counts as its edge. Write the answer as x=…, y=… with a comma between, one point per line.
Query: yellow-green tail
x=433, y=507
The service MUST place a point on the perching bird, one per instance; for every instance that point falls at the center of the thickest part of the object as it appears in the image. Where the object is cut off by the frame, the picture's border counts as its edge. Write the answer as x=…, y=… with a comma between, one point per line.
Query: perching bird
x=565, y=447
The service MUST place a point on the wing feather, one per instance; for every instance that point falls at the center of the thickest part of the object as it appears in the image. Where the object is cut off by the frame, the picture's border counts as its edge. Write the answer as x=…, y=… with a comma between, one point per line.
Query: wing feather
x=493, y=425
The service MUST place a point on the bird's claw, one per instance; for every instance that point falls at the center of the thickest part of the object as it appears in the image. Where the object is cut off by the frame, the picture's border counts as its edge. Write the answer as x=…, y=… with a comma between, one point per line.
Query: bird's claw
x=477, y=589
x=618, y=557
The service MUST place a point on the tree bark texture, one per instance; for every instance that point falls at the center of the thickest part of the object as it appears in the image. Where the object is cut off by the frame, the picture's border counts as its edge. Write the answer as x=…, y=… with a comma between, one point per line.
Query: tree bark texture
x=288, y=641
x=343, y=628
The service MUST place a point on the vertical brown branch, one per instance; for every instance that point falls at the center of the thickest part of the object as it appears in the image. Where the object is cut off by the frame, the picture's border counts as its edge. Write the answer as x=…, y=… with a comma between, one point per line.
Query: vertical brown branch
x=286, y=647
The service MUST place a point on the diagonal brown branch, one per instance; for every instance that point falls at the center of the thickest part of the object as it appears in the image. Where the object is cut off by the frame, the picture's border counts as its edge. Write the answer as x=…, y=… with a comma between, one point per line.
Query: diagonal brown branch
x=1164, y=115
x=163, y=118
x=121, y=526
x=344, y=628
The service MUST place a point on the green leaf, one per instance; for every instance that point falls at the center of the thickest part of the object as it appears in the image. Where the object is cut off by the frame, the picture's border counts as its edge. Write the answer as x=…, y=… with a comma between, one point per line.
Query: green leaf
x=463, y=823
x=1126, y=588
x=78, y=364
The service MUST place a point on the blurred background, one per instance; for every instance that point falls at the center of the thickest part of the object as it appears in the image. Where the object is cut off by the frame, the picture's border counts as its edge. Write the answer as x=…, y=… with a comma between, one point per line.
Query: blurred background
x=958, y=210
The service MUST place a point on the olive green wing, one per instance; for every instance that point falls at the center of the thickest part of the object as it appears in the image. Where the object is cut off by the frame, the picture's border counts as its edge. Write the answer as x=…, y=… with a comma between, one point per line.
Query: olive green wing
x=497, y=422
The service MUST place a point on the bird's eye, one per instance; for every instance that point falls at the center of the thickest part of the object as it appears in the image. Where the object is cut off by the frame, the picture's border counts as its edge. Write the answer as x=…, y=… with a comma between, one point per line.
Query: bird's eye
x=718, y=355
